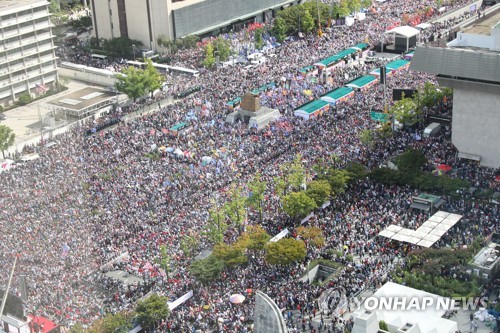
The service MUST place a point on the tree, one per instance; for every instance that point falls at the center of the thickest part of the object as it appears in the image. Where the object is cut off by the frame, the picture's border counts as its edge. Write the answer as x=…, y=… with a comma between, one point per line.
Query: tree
x=164, y=260
x=151, y=310
x=190, y=41
x=354, y=5
x=223, y=48
x=209, y=60
x=279, y=29
x=231, y=255
x=77, y=328
x=357, y=171
x=366, y=3
x=188, y=245
x=120, y=322
x=235, y=208
x=259, y=42
x=405, y=111
x=341, y=9
x=293, y=176
x=216, y=227
x=255, y=238
x=207, y=270
x=297, y=205
x=82, y=22
x=132, y=83
x=306, y=22
x=285, y=251
x=411, y=161
x=153, y=79
x=7, y=138
x=163, y=41
x=24, y=99
x=319, y=191
x=257, y=189
x=312, y=236
x=123, y=47
x=337, y=179
x=367, y=138
x=383, y=326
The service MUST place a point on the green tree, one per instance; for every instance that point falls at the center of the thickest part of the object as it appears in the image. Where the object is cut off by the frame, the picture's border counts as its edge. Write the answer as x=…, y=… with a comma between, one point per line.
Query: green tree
x=366, y=3
x=280, y=29
x=207, y=270
x=82, y=22
x=132, y=83
x=120, y=322
x=411, y=161
x=209, y=60
x=319, y=191
x=7, y=138
x=367, y=138
x=122, y=47
x=163, y=41
x=164, y=260
x=54, y=7
x=188, y=245
x=383, y=326
x=188, y=42
x=223, y=48
x=357, y=171
x=24, y=99
x=153, y=80
x=259, y=42
x=257, y=189
x=354, y=5
x=255, y=238
x=297, y=205
x=306, y=22
x=405, y=111
x=341, y=8
x=77, y=328
x=285, y=251
x=151, y=310
x=337, y=179
x=235, y=208
x=293, y=176
x=312, y=236
x=231, y=255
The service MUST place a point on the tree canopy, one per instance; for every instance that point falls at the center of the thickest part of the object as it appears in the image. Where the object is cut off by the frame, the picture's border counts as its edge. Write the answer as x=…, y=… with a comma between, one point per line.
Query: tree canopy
x=312, y=236
x=297, y=205
x=285, y=251
x=319, y=191
x=137, y=82
x=151, y=310
x=207, y=270
x=7, y=138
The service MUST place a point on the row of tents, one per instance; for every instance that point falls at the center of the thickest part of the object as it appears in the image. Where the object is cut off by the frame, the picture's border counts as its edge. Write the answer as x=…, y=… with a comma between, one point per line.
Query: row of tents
x=339, y=95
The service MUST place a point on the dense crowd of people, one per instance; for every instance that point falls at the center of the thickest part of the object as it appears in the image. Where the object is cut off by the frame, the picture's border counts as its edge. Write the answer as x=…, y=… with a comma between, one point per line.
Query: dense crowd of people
x=98, y=195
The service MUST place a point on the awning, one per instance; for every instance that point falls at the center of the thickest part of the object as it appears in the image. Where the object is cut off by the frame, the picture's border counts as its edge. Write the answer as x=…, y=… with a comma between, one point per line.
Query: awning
x=420, y=206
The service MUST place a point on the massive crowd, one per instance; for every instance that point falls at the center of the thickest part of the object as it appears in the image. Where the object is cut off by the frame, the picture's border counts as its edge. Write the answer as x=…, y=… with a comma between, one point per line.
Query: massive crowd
x=98, y=195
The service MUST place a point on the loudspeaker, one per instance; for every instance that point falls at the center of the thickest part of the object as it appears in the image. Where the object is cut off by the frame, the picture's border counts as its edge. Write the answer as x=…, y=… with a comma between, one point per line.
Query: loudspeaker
x=383, y=74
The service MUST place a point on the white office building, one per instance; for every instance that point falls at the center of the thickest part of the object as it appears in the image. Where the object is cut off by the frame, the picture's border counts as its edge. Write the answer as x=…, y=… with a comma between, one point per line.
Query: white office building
x=148, y=19
x=27, y=51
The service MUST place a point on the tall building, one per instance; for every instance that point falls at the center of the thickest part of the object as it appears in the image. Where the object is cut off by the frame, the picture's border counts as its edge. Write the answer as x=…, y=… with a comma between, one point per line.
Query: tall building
x=146, y=20
x=27, y=51
x=471, y=66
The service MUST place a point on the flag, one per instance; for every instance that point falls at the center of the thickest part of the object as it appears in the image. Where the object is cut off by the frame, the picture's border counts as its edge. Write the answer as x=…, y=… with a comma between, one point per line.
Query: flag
x=40, y=88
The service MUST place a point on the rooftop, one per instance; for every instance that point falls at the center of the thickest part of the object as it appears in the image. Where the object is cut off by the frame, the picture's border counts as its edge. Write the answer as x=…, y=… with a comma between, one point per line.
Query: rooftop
x=483, y=26
x=13, y=3
x=488, y=256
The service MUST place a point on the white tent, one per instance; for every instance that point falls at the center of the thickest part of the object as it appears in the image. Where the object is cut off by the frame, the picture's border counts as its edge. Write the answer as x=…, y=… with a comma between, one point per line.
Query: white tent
x=405, y=31
x=423, y=26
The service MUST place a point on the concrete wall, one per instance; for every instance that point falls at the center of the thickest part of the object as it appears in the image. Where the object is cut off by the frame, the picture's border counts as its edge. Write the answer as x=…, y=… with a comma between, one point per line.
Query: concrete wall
x=92, y=78
x=476, y=120
x=108, y=25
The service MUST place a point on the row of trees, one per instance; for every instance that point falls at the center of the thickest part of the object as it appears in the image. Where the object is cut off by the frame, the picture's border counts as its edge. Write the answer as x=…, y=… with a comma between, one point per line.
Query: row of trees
x=312, y=15
x=173, y=46
x=147, y=313
x=255, y=242
x=137, y=82
x=409, y=110
x=217, y=50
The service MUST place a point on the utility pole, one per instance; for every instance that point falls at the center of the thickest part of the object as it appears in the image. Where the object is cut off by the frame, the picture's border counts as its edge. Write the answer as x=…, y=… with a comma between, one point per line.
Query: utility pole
x=8, y=287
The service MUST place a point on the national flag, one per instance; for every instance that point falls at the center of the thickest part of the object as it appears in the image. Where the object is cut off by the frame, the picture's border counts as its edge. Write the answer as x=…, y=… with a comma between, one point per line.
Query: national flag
x=41, y=88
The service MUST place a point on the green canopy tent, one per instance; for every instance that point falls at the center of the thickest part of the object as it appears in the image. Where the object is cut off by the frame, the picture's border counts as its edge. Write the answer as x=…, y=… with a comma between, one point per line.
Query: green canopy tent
x=312, y=109
x=338, y=95
x=362, y=82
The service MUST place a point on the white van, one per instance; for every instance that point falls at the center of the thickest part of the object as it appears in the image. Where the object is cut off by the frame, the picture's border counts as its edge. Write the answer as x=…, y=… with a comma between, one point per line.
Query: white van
x=432, y=130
